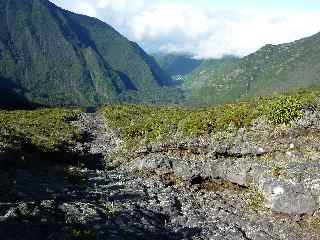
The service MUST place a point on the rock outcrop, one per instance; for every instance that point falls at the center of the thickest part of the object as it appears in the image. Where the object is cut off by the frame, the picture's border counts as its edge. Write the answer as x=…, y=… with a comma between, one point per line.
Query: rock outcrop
x=244, y=186
x=282, y=163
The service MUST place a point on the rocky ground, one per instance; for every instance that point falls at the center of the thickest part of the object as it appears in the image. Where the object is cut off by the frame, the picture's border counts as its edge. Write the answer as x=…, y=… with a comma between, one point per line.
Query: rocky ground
x=243, y=186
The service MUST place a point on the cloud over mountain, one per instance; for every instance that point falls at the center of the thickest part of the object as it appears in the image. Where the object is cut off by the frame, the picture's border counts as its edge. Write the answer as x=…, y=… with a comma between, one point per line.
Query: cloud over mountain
x=176, y=26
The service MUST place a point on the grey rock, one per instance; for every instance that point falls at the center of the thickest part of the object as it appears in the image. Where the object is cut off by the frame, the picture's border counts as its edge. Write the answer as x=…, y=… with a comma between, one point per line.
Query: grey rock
x=234, y=171
x=47, y=203
x=314, y=186
x=122, y=202
x=12, y=213
x=154, y=163
x=244, y=148
x=258, y=172
x=310, y=119
x=285, y=197
x=79, y=213
x=187, y=169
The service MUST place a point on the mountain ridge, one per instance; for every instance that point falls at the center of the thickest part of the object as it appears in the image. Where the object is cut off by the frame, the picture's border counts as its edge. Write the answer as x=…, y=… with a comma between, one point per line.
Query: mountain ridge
x=271, y=69
x=177, y=64
x=56, y=57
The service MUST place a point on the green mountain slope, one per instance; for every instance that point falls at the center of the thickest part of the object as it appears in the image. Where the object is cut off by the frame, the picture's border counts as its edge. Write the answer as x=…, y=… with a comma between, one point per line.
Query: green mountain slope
x=177, y=64
x=50, y=56
x=272, y=69
x=206, y=86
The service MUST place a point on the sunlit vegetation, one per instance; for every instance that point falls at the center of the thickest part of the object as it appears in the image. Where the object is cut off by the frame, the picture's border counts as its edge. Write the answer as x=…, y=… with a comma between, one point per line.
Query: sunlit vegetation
x=46, y=129
x=150, y=124
x=274, y=69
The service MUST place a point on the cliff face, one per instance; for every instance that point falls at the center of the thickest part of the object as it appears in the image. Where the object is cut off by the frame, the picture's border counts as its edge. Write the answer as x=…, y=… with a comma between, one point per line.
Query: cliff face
x=51, y=56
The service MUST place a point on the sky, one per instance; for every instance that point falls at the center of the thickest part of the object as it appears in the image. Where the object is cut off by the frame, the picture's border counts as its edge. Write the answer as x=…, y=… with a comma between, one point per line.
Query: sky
x=205, y=28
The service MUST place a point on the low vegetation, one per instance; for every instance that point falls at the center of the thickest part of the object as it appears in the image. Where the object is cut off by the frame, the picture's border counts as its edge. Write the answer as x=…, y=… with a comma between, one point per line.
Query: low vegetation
x=83, y=234
x=46, y=129
x=284, y=109
x=75, y=176
x=150, y=124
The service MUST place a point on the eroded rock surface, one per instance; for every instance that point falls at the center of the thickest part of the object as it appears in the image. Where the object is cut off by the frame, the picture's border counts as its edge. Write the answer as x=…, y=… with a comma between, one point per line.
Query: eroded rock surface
x=232, y=188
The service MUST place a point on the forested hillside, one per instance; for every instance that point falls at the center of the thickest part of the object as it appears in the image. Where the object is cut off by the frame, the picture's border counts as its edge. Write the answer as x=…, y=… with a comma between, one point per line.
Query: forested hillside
x=272, y=69
x=50, y=56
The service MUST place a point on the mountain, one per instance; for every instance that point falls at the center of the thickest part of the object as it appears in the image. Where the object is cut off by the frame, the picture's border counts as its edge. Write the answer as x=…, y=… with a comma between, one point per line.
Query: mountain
x=204, y=85
x=177, y=64
x=50, y=56
x=272, y=69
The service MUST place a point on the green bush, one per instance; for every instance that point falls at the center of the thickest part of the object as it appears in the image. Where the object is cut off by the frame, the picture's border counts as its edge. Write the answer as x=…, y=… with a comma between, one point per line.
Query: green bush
x=284, y=109
x=83, y=234
x=198, y=123
x=44, y=128
x=240, y=114
x=149, y=124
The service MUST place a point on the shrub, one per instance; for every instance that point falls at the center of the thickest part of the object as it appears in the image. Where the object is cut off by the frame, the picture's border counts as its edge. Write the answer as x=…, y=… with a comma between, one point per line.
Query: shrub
x=149, y=124
x=44, y=128
x=83, y=234
x=284, y=109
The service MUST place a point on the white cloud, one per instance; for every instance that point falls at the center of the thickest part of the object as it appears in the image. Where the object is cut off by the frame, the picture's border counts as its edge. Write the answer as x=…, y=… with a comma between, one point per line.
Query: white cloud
x=205, y=32
x=169, y=20
x=85, y=8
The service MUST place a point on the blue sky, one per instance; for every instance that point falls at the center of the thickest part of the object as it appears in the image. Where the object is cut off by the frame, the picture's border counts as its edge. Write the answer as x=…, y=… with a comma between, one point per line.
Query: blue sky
x=205, y=28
